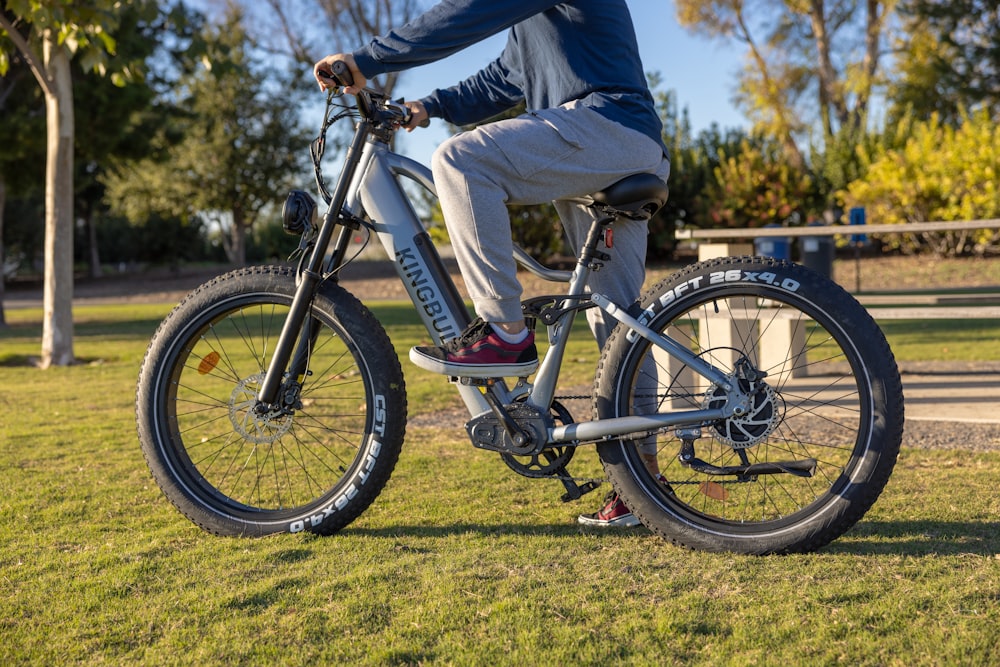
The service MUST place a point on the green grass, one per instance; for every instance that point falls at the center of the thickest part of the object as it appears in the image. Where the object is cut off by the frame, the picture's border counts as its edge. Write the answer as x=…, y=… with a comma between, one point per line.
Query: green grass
x=460, y=561
x=944, y=340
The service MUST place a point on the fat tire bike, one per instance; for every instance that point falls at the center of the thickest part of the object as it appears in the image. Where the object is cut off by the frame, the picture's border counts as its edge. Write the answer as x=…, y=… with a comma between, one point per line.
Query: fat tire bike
x=271, y=400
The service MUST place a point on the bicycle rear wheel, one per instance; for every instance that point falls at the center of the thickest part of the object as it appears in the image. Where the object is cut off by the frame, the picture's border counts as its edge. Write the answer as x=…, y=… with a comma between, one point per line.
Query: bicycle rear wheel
x=315, y=467
x=823, y=431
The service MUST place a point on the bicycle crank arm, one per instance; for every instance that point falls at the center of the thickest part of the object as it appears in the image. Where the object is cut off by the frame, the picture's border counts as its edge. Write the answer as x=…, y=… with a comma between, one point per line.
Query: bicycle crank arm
x=804, y=468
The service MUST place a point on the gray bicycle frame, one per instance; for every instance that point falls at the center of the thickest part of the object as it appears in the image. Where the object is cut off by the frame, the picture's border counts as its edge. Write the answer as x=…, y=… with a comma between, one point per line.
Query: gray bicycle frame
x=377, y=192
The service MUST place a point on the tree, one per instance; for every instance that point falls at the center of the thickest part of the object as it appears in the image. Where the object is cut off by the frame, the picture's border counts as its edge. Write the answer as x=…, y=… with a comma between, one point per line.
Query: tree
x=3, y=265
x=948, y=59
x=56, y=31
x=940, y=173
x=239, y=147
x=22, y=135
x=349, y=24
x=119, y=120
x=693, y=161
x=806, y=59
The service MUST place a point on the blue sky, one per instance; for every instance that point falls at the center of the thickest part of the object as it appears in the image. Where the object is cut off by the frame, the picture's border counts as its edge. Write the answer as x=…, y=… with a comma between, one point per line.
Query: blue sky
x=700, y=71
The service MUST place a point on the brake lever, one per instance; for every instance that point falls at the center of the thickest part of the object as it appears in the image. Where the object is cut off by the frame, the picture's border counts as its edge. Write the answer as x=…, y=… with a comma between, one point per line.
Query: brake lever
x=406, y=114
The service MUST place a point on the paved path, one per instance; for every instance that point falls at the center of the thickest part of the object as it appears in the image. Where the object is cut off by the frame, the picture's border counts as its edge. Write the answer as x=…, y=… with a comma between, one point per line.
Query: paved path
x=961, y=392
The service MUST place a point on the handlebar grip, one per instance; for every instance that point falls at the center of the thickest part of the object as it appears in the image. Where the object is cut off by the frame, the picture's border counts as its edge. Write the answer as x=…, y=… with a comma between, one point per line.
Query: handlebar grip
x=342, y=73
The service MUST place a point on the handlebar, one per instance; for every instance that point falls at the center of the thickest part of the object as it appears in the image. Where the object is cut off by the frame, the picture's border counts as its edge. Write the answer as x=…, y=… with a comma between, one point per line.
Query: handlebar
x=381, y=117
x=340, y=76
x=342, y=72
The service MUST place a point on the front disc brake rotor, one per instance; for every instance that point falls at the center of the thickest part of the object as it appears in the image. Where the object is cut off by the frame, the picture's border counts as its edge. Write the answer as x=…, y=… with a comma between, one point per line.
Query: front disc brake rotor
x=260, y=429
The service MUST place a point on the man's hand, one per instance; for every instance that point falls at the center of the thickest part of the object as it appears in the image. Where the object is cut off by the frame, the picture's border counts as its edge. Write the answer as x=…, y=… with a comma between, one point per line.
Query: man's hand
x=326, y=66
x=419, y=116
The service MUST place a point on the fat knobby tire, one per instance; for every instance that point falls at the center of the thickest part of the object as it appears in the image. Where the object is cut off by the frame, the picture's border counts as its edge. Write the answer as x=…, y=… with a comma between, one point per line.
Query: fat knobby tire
x=295, y=448
x=705, y=512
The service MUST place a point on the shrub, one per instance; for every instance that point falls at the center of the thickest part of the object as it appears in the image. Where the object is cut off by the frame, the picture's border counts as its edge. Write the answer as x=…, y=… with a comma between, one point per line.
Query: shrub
x=757, y=187
x=941, y=173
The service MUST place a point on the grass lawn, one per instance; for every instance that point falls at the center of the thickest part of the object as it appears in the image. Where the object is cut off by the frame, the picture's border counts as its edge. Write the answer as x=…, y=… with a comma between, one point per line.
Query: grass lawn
x=460, y=561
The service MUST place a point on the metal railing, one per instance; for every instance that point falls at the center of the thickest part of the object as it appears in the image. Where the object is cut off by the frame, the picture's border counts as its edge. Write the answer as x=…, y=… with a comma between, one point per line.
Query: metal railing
x=943, y=304
x=836, y=230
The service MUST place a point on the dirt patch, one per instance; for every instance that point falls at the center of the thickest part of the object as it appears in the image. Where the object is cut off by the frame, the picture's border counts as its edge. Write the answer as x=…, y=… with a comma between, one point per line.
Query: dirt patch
x=377, y=279
x=366, y=279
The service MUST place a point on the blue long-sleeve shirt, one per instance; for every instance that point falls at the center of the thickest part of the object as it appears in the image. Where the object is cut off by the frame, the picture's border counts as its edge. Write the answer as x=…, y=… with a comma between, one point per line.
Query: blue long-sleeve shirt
x=556, y=52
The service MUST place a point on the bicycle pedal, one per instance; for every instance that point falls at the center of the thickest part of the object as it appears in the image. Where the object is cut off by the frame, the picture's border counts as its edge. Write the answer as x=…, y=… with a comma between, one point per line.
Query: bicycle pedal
x=575, y=491
x=472, y=381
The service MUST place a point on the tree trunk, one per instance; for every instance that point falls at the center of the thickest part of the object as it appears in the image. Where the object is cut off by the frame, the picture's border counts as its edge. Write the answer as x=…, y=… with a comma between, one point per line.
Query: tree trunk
x=238, y=244
x=238, y=236
x=57, y=299
x=95, y=254
x=3, y=202
x=829, y=94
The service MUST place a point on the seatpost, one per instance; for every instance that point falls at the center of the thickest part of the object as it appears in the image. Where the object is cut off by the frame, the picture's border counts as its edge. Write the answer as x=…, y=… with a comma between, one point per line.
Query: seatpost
x=589, y=252
x=548, y=372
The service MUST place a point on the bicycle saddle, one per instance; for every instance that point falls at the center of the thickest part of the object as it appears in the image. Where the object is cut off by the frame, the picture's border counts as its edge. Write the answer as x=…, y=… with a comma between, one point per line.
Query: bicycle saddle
x=637, y=196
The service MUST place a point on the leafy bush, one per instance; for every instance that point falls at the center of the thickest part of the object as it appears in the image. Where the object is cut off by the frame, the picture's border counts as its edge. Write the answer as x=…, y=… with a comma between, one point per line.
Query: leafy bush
x=757, y=187
x=941, y=173
x=693, y=160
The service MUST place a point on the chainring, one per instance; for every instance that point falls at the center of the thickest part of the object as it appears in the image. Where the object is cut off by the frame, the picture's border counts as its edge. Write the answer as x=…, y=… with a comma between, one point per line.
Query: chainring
x=549, y=461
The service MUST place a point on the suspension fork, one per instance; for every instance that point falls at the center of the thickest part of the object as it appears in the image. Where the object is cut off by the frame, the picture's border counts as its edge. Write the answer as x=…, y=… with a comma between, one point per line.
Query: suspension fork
x=308, y=281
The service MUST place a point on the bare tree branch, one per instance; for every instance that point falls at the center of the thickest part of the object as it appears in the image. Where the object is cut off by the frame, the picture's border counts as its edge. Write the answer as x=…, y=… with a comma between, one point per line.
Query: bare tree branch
x=295, y=45
x=33, y=60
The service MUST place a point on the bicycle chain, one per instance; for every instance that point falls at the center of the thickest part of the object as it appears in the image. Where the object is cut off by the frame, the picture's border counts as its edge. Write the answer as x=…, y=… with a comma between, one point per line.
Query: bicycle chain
x=601, y=480
x=574, y=398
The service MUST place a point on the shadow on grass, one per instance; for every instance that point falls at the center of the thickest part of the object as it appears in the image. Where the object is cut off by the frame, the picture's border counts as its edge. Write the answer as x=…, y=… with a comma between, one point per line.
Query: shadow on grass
x=911, y=538
x=920, y=538
x=493, y=530
x=32, y=361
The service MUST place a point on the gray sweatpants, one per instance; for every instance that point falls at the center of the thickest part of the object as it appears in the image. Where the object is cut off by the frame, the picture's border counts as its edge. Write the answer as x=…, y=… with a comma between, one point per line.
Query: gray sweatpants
x=548, y=155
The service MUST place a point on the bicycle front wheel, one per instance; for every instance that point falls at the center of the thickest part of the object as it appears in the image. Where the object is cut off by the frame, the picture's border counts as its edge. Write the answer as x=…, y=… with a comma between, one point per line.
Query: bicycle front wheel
x=815, y=447
x=233, y=471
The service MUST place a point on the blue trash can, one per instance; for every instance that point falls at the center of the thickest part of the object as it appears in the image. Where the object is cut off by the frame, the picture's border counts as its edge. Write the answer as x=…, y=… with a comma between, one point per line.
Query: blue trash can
x=778, y=247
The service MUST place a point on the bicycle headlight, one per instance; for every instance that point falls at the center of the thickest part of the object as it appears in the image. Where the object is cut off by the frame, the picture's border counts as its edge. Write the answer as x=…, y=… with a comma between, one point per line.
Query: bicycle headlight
x=298, y=213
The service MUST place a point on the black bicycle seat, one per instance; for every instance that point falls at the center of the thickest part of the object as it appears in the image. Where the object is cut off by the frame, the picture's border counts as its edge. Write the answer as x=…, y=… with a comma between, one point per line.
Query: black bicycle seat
x=638, y=195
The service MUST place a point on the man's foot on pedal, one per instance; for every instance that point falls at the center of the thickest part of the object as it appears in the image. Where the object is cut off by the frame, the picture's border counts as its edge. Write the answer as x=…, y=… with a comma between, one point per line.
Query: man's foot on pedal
x=614, y=514
x=479, y=352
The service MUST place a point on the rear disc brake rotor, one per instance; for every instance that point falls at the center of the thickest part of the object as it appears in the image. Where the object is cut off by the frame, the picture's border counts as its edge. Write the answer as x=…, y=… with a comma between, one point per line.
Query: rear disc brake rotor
x=747, y=430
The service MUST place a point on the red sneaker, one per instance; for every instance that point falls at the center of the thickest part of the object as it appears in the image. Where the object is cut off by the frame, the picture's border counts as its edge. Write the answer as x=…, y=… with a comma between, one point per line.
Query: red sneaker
x=614, y=514
x=479, y=352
